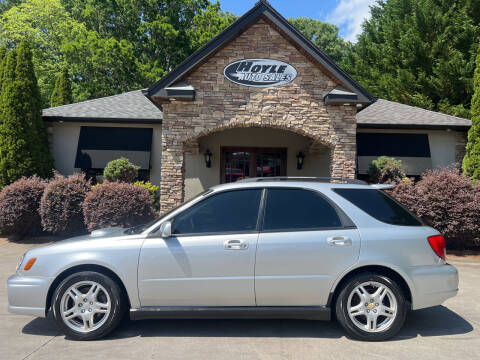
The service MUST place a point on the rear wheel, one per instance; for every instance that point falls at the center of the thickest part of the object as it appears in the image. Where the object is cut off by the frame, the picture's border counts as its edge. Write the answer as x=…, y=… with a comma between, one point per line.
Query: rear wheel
x=88, y=305
x=371, y=307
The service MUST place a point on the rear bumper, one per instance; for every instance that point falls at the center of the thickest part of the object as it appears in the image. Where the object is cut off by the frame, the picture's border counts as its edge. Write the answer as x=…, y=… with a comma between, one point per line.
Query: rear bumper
x=27, y=295
x=433, y=285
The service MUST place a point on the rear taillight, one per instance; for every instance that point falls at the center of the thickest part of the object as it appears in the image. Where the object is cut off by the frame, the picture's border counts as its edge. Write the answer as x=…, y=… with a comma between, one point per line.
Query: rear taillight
x=437, y=242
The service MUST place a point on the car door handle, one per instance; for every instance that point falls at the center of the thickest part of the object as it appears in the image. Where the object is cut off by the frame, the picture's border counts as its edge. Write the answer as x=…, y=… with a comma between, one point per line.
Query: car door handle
x=235, y=245
x=339, y=241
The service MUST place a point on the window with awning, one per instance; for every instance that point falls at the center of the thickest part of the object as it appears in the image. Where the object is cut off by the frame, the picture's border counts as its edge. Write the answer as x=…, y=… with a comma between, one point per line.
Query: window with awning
x=99, y=145
x=412, y=148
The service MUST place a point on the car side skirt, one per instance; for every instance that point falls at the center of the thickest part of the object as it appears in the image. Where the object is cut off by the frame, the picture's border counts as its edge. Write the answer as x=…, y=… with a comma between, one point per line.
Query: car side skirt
x=232, y=312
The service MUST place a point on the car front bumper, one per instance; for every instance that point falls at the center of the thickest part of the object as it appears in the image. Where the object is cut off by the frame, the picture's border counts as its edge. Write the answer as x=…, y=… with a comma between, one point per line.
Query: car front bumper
x=27, y=295
x=433, y=285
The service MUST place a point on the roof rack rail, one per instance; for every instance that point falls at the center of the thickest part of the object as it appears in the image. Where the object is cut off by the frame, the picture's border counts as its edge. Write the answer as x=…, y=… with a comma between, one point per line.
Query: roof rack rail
x=306, y=178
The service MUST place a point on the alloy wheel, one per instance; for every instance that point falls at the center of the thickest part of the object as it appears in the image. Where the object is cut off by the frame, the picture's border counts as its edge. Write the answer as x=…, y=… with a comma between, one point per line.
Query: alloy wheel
x=372, y=306
x=85, y=306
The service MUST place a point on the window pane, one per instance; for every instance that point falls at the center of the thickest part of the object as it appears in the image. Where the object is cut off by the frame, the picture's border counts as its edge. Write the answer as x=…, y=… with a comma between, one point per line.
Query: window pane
x=232, y=211
x=380, y=205
x=298, y=209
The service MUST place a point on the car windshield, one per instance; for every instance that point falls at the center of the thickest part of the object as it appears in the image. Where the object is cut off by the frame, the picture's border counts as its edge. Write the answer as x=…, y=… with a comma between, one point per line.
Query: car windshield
x=138, y=229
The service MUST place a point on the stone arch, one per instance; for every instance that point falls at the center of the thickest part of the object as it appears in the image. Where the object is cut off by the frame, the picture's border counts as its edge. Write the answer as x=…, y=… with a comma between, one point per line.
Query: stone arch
x=191, y=144
x=174, y=152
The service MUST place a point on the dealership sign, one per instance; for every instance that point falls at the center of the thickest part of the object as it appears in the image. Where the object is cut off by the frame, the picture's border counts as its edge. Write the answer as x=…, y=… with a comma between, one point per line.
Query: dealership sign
x=260, y=72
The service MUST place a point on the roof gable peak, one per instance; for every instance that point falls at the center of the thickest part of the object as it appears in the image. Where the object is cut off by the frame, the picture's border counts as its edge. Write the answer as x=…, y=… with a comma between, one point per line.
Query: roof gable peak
x=261, y=8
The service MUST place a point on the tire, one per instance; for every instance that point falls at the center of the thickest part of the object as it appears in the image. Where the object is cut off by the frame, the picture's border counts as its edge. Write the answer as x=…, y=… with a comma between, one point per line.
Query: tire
x=367, y=317
x=88, y=305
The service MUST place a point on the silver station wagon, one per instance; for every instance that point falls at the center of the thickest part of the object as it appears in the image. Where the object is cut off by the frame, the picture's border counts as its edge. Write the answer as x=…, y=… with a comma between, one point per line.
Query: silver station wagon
x=303, y=248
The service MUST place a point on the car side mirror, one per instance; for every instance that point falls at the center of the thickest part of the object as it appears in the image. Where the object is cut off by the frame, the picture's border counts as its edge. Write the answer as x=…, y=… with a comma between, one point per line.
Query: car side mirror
x=166, y=229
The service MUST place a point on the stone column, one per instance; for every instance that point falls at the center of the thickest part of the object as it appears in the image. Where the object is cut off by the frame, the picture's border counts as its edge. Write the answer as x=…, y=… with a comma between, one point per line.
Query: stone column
x=172, y=186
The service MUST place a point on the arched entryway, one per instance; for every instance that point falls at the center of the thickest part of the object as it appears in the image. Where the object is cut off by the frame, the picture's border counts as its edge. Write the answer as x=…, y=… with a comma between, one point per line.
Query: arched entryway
x=245, y=152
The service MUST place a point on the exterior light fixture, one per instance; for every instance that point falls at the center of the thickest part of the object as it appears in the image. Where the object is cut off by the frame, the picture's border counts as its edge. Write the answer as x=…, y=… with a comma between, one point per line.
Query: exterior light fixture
x=300, y=158
x=208, y=158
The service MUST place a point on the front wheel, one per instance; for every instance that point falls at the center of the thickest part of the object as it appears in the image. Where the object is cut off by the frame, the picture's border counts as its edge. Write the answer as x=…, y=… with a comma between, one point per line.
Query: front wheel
x=371, y=307
x=88, y=305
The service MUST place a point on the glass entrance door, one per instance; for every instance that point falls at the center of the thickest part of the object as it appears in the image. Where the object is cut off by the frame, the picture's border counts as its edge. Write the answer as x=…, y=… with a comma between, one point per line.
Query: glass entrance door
x=239, y=163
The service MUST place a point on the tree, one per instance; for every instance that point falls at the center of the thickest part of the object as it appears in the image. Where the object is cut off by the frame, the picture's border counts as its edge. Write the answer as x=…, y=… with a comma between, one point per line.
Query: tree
x=162, y=33
x=100, y=66
x=62, y=93
x=471, y=161
x=324, y=36
x=419, y=52
x=24, y=149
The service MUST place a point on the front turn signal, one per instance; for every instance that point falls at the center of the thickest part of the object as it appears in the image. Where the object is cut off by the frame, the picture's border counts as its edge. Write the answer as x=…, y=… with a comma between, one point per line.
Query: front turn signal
x=29, y=263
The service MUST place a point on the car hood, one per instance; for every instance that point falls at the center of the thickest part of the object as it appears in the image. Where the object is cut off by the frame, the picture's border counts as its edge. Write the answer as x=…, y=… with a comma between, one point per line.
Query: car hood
x=96, y=234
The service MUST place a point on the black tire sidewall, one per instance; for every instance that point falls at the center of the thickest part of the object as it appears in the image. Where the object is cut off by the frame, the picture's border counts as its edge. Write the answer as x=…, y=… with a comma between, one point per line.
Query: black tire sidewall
x=116, y=298
x=342, y=312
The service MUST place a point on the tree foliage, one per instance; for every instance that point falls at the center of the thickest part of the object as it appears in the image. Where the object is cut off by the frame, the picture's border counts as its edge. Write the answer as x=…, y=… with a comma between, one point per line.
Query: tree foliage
x=24, y=149
x=62, y=93
x=471, y=161
x=325, y=36
x=419, y=52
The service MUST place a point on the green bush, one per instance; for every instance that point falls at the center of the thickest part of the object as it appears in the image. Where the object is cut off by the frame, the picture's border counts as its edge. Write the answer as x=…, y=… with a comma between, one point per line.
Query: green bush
x=471, y=161
x=385, y=170
x=154, y=191
x=121, y=170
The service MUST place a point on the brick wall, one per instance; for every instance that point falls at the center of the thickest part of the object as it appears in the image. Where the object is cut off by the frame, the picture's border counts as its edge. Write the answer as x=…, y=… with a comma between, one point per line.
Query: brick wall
x=220, y=104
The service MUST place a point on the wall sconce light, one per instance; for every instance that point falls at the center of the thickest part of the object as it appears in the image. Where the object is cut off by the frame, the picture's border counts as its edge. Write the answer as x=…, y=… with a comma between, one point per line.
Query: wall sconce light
x=300, y=157
x=208, y=158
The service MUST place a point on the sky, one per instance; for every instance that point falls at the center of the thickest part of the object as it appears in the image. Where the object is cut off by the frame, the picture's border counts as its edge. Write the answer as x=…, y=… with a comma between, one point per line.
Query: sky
x=348, y=15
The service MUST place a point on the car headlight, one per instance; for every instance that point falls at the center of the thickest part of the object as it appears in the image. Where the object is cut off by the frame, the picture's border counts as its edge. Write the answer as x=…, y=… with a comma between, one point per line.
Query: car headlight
x=21, y=261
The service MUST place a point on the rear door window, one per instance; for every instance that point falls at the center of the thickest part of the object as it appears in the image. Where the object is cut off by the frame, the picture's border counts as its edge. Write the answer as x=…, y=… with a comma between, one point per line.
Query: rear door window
x=297, y=209
x=379, y=205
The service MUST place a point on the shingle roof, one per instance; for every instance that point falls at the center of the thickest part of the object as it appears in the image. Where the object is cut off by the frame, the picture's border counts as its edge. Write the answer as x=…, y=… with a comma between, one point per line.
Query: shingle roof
x=384, y=113
x=132, y=105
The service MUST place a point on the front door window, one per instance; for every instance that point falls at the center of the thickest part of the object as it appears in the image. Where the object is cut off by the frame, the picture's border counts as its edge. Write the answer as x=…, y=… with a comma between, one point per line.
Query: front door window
x=245, y=162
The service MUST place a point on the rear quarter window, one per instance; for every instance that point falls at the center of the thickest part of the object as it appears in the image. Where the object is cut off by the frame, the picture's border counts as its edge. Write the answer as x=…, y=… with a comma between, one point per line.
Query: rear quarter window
x=379, y=205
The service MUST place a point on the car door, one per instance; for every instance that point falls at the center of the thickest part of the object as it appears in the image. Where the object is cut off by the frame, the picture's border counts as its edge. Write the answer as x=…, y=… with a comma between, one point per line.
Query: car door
x=209, y=260
x=305, y=243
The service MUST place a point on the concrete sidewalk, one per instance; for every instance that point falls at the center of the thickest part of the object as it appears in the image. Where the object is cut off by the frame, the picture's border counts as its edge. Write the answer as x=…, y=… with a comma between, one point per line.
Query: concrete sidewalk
x=443, y=332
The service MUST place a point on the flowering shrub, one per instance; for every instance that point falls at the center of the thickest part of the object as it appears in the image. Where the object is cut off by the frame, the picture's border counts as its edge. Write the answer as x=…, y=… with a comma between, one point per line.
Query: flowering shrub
x=386, y=170
x=121, y=170
x=61, y=205
x=117, y=204
x=19, y=205
x=446, y=200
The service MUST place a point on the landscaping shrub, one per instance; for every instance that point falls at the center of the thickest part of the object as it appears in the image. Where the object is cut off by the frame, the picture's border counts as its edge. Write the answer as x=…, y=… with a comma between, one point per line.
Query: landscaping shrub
x=154, y=191
x=19, y=205
x=117, y=204
x=386, y=170
x=446, y=200
x=61, y=205
x=121, y=170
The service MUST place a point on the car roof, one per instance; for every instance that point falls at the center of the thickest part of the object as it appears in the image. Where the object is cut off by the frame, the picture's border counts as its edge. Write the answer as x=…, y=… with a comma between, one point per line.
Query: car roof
x=304, y=182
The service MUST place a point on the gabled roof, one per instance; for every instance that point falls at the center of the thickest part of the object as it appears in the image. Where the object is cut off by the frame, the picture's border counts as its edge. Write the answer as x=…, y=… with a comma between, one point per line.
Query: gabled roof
x=389, y=114
x=130, y=106
x=261, y=8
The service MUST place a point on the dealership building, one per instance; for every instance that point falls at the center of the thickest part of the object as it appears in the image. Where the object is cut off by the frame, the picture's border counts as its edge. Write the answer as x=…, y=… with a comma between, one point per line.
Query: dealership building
x=257, y=100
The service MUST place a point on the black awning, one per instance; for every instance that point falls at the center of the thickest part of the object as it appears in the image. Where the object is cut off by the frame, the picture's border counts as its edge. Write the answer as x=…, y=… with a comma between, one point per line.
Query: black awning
x=393, y=144
x=99, y=145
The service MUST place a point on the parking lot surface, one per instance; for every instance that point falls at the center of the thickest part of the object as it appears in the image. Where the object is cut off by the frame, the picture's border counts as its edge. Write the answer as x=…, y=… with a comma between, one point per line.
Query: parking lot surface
x=451, y=331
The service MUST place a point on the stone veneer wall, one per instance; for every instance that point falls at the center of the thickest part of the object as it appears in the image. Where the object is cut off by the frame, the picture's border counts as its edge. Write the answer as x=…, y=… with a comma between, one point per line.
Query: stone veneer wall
x=221, y=104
